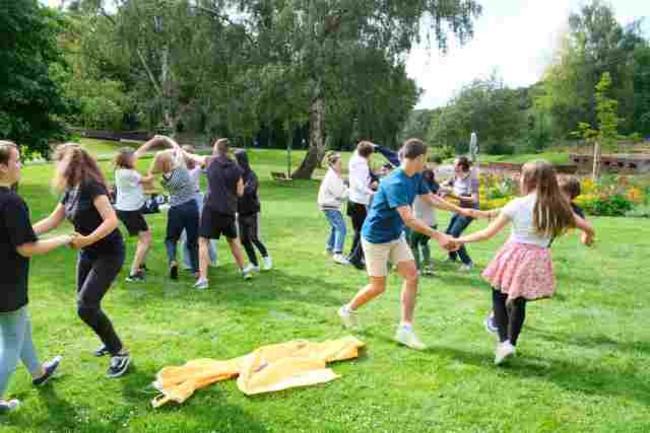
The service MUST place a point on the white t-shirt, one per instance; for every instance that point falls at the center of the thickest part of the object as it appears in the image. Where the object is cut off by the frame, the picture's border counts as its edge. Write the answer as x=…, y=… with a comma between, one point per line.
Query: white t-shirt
x=424, y=212
x=359, y=176
x=130, y=195
x=520, y=212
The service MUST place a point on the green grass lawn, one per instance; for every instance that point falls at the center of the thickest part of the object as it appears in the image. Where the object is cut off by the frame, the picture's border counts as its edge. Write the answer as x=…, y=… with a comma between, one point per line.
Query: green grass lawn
x=583, y=363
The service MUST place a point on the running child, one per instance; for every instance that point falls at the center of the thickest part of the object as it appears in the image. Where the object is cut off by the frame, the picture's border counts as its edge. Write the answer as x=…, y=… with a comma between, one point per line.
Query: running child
x=522, y=270
x=248, y=216
x=18, y=243
x=383, y=238
x=86, y=205
x=130, y=202
x=331, y=195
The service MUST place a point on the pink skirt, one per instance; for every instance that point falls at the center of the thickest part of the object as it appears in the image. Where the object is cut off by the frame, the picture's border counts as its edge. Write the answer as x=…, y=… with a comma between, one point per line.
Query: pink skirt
x=522, y=270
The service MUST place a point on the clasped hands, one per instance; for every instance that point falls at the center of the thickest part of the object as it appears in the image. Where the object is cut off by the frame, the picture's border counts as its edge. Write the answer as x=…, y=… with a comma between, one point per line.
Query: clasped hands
x=77, y=241
x=449, y=243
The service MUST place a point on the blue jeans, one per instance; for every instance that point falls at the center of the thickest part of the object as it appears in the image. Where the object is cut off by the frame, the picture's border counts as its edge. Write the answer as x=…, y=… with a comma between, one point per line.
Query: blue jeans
x=212, y=249
x=337, y=234
x=16, y=344
x=457, y=226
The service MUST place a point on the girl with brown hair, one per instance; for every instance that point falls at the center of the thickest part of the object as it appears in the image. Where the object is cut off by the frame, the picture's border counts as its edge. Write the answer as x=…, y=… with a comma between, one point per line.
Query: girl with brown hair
x=86, y=205
x=522, y=270
x=129, y=204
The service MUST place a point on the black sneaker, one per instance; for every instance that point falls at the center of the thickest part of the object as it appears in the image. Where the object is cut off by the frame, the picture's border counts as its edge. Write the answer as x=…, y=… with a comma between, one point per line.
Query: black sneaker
x=50, y=368
x=119, y=365
x=143, y=267
x=138, y=277
x=101, y=351
x=173, y=271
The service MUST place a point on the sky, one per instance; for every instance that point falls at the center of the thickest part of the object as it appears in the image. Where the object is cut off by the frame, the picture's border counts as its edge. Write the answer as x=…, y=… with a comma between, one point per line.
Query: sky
x=515, y=38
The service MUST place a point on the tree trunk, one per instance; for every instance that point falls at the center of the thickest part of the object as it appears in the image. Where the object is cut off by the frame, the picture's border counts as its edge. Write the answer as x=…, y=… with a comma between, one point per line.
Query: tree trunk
x=316, y=150
x=595, y=171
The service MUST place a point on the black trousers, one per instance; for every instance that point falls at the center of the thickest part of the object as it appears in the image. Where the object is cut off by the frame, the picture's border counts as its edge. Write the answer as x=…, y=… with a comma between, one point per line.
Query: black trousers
x=249, y=235
x=357, y=213
x=184, y=217
x=509, y=318
x=94, y=277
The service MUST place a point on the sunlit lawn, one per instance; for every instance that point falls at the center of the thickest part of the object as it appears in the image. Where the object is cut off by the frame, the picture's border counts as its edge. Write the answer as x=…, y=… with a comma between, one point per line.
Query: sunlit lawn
x=583, y=362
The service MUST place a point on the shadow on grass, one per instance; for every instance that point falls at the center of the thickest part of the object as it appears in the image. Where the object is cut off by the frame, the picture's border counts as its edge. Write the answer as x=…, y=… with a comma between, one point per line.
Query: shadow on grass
x=573, y=376
x=598, y=341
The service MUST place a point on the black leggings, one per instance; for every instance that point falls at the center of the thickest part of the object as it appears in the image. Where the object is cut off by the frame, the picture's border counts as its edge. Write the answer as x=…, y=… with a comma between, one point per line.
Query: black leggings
x=94, y=277
x=357, y=213
x=249, y=234
x=510, y=317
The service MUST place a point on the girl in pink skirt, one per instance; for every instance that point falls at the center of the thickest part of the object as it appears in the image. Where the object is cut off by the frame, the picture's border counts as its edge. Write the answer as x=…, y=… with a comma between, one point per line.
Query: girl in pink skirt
x=522, y=270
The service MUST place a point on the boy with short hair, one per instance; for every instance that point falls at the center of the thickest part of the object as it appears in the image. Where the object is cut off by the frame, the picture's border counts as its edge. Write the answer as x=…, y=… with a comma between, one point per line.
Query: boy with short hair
x=383, y=238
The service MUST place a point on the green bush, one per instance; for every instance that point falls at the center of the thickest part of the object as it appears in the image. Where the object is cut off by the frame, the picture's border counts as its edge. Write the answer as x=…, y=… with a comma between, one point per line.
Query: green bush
x=612, y=205
x=639, y=212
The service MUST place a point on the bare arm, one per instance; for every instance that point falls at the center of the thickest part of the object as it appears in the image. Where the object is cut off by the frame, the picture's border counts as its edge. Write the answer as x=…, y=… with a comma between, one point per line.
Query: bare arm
x=415, y=224
x=487, y=233
x=154, y=141
x=53, y=221
x=440, y=203
x=587, y=229
x=41, y=247
x=240, y=187
x=109, y=223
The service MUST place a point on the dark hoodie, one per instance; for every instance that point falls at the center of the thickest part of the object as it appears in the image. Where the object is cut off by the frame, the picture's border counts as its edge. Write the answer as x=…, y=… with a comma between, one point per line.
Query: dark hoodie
x=249, y=203
x=223, y=176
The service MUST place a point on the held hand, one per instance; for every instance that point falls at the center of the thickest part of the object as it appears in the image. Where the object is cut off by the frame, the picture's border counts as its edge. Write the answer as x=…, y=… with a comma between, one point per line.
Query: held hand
x=587, y=239
x=448, y=243
x=80, y=242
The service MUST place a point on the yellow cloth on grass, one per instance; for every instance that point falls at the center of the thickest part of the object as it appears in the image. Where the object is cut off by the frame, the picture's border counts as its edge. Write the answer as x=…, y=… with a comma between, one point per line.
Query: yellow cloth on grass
x=269, y=368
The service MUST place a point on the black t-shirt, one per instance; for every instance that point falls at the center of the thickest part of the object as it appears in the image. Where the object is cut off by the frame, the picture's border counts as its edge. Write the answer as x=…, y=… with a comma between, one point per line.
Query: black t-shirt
x=82, y=213
x=15, y=230
x=223, y=176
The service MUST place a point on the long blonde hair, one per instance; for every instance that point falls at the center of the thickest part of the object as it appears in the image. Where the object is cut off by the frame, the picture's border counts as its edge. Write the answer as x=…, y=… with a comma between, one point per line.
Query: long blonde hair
x=75, y=166
x=552, y=215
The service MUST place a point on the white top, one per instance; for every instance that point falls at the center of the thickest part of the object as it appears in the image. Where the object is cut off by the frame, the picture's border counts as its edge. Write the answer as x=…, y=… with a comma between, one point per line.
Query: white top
x=130, y=195
x=195, y=176
x=520, y=212
x=332, y=191
x=359, y=172
x=424, y=212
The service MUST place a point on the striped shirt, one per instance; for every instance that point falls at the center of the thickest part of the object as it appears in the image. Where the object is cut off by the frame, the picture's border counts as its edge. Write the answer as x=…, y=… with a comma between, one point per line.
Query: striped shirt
x=180, y=186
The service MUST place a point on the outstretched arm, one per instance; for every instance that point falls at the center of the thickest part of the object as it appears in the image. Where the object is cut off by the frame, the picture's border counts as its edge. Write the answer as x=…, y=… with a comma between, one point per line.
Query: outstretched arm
x=440, y=203
x=445, y=241
x=51, y=222
x=588, y=232
x=156, y=140
x=43, y=246
x=487, y=233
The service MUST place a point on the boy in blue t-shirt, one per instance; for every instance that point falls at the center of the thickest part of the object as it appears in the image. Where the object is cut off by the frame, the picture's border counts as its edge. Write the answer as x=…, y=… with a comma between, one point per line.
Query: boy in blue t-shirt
x=383, y=237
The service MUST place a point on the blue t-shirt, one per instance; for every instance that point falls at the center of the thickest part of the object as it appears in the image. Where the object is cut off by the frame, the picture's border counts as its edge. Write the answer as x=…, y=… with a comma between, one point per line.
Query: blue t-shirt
x=383, y=223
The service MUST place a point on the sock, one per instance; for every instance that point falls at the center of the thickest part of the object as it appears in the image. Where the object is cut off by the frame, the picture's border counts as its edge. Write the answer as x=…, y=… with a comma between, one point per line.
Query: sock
x=406, y=326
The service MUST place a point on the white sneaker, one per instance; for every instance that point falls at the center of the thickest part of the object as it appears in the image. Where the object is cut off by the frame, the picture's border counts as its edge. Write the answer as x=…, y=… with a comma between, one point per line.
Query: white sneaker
x=503, y=351
x=268, y=263
x=9, y=405
x=201, y=284
x=407, y=337
x=340, y=259
x=466, y=268
x=250, y=268
x=246, y=273
x=348, y=317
